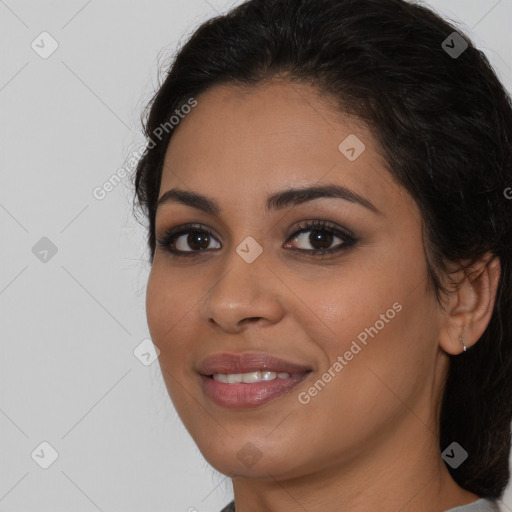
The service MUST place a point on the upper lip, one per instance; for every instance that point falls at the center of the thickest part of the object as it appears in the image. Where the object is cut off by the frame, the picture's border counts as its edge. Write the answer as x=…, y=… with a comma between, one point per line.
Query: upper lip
x=248, y=362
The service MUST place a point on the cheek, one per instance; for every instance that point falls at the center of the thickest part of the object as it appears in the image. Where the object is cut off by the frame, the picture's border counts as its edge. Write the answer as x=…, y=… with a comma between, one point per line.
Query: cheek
x=378, y=340
x=158, y=304
x=376, y=315
x=336, y=307
x=170, y=303
x=167, y=305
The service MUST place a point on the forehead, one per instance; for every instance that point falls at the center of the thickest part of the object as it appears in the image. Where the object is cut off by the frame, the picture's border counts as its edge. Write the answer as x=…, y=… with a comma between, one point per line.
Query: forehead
x=243, y=143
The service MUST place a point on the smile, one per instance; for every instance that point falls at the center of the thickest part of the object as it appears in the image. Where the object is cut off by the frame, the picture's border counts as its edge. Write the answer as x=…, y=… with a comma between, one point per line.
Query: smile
x=250, y=377
x=240, y=394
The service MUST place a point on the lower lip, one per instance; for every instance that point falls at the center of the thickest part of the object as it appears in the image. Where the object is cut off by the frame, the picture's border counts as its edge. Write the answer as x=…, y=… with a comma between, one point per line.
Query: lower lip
x=248, y=395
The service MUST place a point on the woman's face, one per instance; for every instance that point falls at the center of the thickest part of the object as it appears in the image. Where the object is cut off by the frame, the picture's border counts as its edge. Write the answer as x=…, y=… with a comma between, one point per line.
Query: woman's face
x=361, y=318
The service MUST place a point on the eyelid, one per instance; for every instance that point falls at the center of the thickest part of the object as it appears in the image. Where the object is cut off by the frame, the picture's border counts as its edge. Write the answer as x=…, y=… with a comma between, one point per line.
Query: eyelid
x=310, y=224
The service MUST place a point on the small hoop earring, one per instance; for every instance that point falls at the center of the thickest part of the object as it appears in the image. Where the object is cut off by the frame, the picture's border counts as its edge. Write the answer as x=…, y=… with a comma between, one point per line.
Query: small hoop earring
x=462, y=343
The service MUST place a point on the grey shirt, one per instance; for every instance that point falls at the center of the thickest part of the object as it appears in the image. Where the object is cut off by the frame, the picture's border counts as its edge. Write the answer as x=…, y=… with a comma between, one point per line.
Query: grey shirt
x=481, y=505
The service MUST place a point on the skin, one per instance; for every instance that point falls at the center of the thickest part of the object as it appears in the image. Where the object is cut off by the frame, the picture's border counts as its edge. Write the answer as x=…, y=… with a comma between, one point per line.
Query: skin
x=374, y=428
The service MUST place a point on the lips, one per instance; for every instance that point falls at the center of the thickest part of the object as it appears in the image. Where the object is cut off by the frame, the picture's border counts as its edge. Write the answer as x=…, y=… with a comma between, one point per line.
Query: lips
x=248, y=362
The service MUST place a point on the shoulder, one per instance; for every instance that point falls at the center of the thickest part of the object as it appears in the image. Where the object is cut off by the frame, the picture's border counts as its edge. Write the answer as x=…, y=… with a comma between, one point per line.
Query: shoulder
x=481, y=505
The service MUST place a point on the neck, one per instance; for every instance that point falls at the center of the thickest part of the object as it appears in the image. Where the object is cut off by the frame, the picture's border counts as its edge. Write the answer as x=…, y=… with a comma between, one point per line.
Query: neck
x=404, y=473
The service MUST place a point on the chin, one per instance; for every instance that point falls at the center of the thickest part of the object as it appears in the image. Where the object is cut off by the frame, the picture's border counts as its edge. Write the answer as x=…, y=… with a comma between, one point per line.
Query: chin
x=246, y=459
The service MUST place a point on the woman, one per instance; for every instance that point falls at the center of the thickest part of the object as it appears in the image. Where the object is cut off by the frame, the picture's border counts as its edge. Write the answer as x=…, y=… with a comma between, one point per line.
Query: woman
x=325, y=184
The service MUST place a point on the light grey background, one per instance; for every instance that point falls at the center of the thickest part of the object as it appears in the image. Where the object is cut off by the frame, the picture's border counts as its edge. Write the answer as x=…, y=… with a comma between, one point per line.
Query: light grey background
x=70, y=324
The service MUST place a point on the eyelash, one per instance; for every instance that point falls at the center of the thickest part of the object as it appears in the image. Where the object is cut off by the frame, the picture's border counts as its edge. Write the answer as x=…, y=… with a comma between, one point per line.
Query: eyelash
x=168, y=238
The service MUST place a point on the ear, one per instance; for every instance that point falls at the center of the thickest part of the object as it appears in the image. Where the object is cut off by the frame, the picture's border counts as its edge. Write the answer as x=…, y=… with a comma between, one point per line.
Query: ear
x=469, y=307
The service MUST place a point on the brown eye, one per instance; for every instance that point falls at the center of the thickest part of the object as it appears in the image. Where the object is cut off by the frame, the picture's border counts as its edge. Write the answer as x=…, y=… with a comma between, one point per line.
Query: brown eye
x=188, y=240
x=193, y=241
x=320, y=238
x=196, y=241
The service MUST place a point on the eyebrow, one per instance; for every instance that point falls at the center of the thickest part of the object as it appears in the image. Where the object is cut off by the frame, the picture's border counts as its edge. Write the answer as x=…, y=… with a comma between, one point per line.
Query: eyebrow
x=276, y=201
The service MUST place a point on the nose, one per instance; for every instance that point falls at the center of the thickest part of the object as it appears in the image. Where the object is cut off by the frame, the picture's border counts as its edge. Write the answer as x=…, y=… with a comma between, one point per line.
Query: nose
x=245, y=293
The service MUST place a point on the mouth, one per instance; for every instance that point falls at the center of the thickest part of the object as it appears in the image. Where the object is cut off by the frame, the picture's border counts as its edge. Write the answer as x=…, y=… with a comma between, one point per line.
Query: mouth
x=249, y=379
x=252, y=377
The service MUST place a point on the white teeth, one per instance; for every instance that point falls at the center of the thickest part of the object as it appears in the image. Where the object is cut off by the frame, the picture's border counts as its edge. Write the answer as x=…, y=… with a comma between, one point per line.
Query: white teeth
x=234, y=378
x=250, y=377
